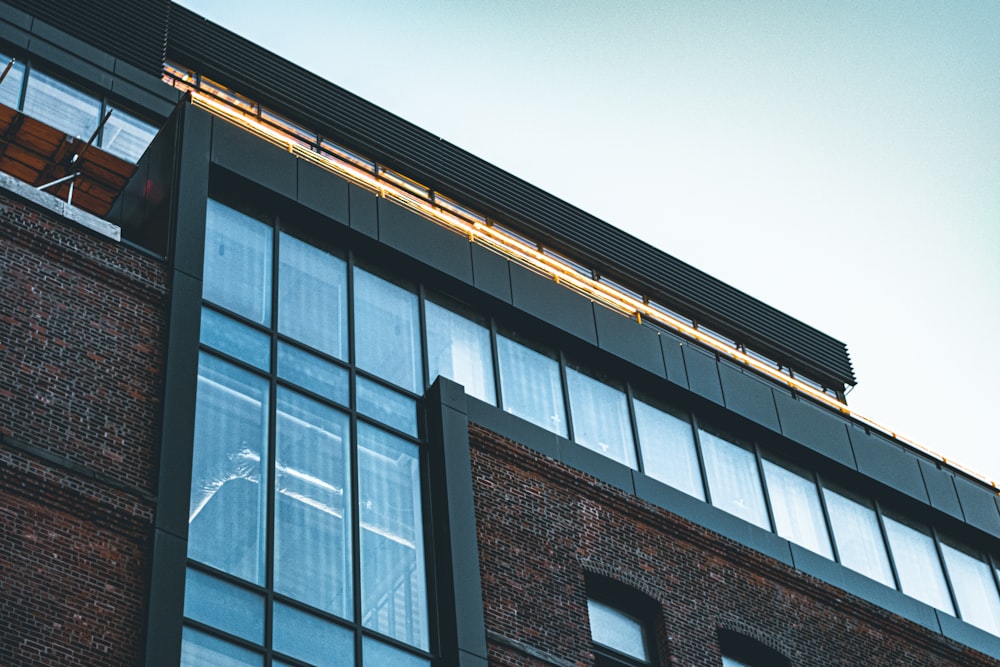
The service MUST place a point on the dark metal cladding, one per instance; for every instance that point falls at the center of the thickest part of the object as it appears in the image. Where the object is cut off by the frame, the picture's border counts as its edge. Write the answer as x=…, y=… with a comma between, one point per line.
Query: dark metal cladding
x=347, y=119
x=133, y=31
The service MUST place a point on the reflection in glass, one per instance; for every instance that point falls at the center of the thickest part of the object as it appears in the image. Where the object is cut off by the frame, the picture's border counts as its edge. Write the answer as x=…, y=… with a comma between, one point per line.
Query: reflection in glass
x=617, y=630
x=223, y=605
x=859, y=539
x=798, y=514
x=10, y=89
x=235, y=339
x=312, y=296
x=312, y=534
x=387, y=330
x=228, y=499
x=126, y=136
x=377, y=654
x=61, y=106
x=310, y=372
x=972, y=581
x=733, y=479
x=393, y=585
x=311, y=639
x=387, y=406
x=530, y=385
x=201, y=650
x=600, y=417
x=668, y=450
x=459, y=349
x=237, y=263
x=918, y=566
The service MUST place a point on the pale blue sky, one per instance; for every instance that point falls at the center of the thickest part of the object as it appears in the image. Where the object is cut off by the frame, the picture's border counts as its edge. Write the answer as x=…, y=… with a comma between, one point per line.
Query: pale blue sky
x=840, y=161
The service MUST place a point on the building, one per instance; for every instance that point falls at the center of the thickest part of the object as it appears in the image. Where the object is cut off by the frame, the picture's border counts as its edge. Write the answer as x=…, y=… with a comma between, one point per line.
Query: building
x=291, y=381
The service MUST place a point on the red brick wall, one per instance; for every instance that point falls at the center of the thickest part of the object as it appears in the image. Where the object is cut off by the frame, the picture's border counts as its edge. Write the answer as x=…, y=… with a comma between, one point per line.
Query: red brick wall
x=82, y=325
x=543, y=527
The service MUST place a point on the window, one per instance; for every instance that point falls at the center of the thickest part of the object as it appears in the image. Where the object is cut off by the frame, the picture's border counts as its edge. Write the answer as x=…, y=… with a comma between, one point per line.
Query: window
x=975, y=588
x=669, y=454
x=387, y=330
x=858, y=536
x=742, y=651
x=917, y=563
x=795, y=504
x=530, y=385
x=733, y=478
x=459, y=348
x=619, y=624
x=61, y=106
x=600, y=417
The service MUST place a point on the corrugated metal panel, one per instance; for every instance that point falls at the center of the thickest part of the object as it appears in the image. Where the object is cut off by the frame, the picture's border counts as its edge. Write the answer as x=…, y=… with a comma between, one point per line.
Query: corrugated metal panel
x=372, y=131
x=133, y=31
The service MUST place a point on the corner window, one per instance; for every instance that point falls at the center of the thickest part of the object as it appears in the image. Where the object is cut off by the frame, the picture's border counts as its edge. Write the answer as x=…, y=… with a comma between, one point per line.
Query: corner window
x=619, y=625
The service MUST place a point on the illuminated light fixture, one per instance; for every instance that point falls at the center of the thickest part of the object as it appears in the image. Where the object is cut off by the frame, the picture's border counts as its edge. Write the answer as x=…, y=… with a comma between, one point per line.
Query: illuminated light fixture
x=419, y=198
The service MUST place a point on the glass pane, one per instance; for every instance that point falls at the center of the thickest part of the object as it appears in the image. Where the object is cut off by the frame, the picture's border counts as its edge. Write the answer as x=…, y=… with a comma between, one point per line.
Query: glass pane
x=10, y=89
x=61, y=106
x=126, y=136
x=617, y=630
x=668, y=450
x=459, y=349
x=388, y=406
x=393, y=575
x=310, y=372
x=530, y=385
x=859, y=539
x=201, y=650
x=917, y=564
x=228, y=499
x=235, y=339
x=733, y=479
x=386, y=330
x=223, y=605
x=733, y=662
x=798, y=514
x=600, y=417
x=312, y=534
x=972, y=581
x=238, y=263
x=312, y=293
x=377, y=654
x=310, y=638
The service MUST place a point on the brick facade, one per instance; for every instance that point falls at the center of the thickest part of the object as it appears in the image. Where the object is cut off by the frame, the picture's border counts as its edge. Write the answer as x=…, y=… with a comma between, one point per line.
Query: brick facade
x=543, y=527
x=81, y=356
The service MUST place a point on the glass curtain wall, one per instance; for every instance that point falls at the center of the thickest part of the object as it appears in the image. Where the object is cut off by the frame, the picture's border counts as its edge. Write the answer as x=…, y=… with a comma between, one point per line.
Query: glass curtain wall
x=306, y=533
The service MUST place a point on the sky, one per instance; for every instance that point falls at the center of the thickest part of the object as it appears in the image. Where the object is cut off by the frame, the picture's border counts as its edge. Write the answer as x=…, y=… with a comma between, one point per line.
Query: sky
x=838, y=161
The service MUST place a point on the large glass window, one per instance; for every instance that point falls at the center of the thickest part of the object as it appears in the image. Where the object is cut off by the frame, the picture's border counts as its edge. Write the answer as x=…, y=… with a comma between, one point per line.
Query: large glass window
x=312, y=296
x=530, y=385
x=10, y=88
x=618, y=629
x=459, y=349
x=238, y=263
x=126, y=136
x=600, y=417
x=858, y=536
x=917, y=564
x=974, y=586
x=666, y=440
x=387, y=330
x=795, y=504
x=61, y=106
x=733, y=478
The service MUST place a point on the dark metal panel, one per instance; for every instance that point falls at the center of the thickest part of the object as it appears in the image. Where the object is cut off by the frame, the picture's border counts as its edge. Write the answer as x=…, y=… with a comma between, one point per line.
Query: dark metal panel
x=191, y=201
x=941, y=488
x=491, y=273
x=673, y=357
x=135, y=31
x=748, y=396
x=323, y=192
x=703, y=373
x=549, y=302
x=629, y=340
x=364, y=211
x=54, y=55
x=368, y=129
x=423, y=240
x=14, y=33
x=814, y=427
x=164, y=621
x=888, y=463
x=817, y=566
x=596, y=465
x=242, y=153
x=978, y=505
x=970, y=635
x=519, y=430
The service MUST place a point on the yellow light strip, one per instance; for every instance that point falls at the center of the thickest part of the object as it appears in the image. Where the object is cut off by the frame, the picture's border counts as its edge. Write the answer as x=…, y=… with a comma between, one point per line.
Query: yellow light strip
x=533, y=258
